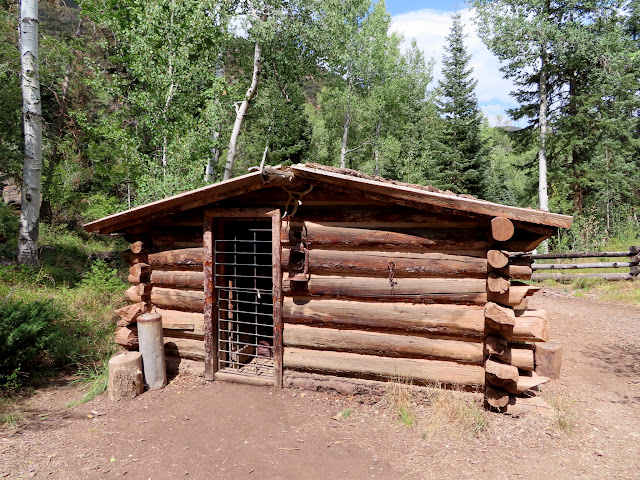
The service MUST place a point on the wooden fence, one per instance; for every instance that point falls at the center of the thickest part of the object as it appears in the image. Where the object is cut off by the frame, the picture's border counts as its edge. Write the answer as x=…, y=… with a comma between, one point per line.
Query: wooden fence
x=632, y=255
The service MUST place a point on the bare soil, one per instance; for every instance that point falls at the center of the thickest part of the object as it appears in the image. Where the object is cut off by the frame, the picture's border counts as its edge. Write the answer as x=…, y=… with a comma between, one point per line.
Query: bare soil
x=201, y=430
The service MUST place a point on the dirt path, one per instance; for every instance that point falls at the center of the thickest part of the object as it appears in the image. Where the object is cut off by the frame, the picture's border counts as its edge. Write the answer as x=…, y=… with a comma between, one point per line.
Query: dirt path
x=195, y=429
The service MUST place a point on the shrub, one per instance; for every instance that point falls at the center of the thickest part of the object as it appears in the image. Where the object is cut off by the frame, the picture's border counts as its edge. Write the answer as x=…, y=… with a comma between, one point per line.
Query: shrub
x=32, y=339
x=102, y=279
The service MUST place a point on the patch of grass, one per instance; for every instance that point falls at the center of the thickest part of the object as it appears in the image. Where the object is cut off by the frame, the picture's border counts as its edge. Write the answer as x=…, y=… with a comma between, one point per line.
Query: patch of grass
x=9, y=416
x=94, y=378
x=346, y=413
x=399, y=397
x=456, y=412
x=564, y=413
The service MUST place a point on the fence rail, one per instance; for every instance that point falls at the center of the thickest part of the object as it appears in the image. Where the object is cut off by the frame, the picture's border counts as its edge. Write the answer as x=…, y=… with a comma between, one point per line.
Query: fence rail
x=632, y=264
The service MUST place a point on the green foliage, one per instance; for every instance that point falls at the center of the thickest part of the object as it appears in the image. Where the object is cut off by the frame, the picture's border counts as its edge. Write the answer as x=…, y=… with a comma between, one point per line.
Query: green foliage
x=102, y=279
x=32, y=338
x=95, y=378
x=8, y=225
x=462, y=164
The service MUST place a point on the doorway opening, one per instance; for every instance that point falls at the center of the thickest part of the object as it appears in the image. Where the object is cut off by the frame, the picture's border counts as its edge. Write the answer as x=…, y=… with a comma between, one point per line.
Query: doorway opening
x=243, y=279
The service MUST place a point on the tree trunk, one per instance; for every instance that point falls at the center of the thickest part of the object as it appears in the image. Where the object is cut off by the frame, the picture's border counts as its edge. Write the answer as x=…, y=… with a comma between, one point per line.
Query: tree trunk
x=242, y=110
x=32, y=114
x=210, y=173
x=544, y=129
x=376, y=148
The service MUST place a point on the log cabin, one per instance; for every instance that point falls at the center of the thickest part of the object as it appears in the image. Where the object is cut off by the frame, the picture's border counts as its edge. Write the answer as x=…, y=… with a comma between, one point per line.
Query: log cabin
x=330, y=271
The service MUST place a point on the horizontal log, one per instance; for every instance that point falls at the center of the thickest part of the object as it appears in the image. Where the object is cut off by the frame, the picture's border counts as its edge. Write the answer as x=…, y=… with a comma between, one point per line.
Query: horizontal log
x=381, y=344
x=521, y=358
x=437, y=239
x=531, y=326
x=185, y=321
x=541, y=256
x=446, y=320
x=498, y=258
x=502, y=229
x=140, y=270
x=384, y=218
x=499, y=315
x=174, y=299
x=495, y=396
x=162, y=242
x=127, y=337
x=568, y=277
x=132, y=258
x=526, y=382
x=137, y=247
x=422, y=290
x=131, y=295
x=514, y=296
x=368, y=366
x=179, y=257
x=516, y=272
x=185, y=348
x=128, y=314
x=501, y=374
x=497, y=283
x=574, y=266
x=379, y=264
x=223, y=376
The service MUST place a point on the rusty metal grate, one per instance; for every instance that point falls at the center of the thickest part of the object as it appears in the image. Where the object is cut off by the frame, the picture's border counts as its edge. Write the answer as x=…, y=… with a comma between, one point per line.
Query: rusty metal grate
x=243, y=278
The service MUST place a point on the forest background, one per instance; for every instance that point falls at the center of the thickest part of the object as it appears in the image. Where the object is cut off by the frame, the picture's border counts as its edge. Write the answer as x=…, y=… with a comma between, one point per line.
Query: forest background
x=144, y=99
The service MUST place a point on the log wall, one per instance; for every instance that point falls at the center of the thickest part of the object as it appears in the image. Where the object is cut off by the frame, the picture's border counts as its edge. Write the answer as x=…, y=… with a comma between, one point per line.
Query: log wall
x=389, y=294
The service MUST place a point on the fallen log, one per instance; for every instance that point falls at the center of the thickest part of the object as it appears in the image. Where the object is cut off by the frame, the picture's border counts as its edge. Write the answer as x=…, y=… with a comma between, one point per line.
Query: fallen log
x=368, y=366
x=380, y=264
x=446, y=320
x=421, y=238
x=423, y=290
x=382, y=344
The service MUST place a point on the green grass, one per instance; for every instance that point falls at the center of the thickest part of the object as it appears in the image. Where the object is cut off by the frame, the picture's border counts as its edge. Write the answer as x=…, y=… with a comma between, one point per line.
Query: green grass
x=94, y=378
x=564, y=413
x=82, y=292
x=346, y=413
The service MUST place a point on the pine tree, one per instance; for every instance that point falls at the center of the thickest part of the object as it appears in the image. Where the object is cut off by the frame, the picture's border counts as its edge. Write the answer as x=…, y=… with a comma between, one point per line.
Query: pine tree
x=461, y=159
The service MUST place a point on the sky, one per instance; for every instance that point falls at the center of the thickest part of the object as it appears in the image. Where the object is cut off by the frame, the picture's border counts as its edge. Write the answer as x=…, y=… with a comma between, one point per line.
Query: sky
x=429, y=23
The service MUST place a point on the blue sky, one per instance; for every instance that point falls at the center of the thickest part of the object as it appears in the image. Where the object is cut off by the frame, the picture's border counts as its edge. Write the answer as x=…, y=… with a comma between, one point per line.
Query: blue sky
x=429, y=23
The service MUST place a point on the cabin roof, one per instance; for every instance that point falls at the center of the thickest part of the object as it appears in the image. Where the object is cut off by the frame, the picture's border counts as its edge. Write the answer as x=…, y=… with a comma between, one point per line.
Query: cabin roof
x=375, y=188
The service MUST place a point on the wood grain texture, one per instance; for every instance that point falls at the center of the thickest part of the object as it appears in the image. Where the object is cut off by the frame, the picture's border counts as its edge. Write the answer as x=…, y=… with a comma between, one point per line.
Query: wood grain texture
x=360, y=236
x=418, y=371
x=446, y=320
x=379, y=264
x=531, y=326
x=185, y=348
x=421, y=290
x=382, y=344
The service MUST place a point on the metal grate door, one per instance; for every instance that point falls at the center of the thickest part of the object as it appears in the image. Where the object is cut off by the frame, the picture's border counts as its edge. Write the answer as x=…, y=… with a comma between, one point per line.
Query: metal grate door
x=243, y=280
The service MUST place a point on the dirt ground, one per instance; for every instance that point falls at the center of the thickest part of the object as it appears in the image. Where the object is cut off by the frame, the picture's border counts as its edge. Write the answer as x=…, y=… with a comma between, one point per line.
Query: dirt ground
x=201, y=430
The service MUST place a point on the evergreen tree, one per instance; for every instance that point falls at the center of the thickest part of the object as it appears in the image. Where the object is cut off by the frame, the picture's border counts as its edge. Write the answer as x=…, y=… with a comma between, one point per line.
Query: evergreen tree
x=461, y=159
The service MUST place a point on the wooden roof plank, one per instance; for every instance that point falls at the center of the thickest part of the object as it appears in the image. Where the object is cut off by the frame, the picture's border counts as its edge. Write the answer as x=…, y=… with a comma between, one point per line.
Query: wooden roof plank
x=424, y=197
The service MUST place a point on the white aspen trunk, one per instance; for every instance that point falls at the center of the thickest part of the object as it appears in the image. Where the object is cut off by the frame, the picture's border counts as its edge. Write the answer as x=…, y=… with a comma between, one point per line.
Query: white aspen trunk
x=543, y=192
x=32, y=118
x=376, y=148
x=242, y=111
x=345, y=136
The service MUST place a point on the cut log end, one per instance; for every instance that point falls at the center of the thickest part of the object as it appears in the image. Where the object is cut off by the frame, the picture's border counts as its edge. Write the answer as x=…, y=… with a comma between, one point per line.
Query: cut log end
x=497, y=283
x=125, y=376
x=548, y=359
x=498, y=258
x=502, y=229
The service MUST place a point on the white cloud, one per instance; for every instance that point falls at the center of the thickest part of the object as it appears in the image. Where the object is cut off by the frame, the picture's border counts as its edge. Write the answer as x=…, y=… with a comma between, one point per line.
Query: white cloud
x=430, y=28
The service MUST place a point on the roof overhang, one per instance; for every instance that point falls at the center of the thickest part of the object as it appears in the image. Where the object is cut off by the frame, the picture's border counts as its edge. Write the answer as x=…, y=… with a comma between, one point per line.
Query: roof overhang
x=411, y=196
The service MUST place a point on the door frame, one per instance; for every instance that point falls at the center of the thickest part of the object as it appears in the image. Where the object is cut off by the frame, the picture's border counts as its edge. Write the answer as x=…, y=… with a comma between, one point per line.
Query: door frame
x=210, y=294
